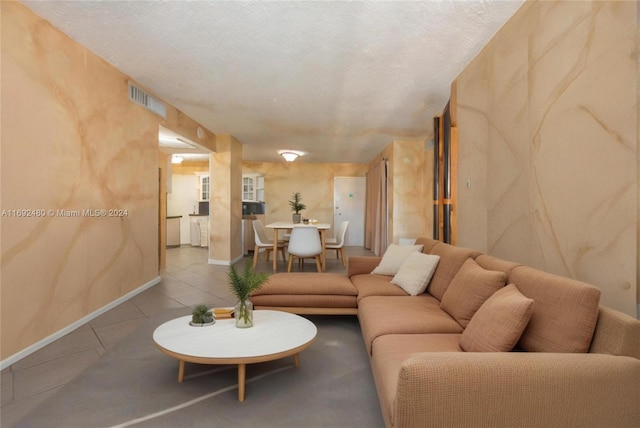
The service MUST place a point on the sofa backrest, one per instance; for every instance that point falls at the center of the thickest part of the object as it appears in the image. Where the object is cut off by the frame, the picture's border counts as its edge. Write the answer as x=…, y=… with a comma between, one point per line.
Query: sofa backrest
x=494, y=263
x=451, y=259
x=565, y=311
x=427, y=244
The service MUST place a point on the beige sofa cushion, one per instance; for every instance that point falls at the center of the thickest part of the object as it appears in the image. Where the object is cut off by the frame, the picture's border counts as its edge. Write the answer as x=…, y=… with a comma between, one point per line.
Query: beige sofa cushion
x=382, y=315
x=393, y=258
x=470, y=288
x=451, y=259
x=499, y=323
x=375, y=285
x=307, y=290
x=328, y=301
x=565, y=311
x=301, y=283
x=416, y=272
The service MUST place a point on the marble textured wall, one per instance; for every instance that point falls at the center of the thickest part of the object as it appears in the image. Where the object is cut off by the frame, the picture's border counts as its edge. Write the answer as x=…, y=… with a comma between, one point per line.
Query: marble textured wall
x=548, y=140
x=313, y=180
x=71, y=141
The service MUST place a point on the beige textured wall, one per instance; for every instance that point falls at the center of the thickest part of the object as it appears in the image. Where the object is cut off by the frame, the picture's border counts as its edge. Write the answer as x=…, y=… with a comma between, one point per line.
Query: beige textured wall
x=548, y=139
x=71, y=141
x=412, y=192
x=225, y=214
x=410, y=197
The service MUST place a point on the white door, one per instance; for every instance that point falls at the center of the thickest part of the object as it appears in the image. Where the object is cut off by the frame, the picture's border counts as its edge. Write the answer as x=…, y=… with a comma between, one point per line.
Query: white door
x=349, y=194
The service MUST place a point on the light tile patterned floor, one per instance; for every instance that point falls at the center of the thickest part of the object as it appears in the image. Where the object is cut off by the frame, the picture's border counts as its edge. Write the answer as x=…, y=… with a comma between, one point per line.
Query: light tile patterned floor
x=187, y=281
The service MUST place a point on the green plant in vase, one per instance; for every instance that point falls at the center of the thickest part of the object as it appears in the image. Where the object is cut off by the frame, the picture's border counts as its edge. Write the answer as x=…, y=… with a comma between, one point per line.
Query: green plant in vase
x=296, y=206
x=242, y=284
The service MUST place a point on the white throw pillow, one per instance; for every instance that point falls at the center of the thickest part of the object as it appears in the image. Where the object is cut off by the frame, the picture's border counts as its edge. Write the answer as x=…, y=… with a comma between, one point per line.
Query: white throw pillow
x=394, y=257
x=416, y=272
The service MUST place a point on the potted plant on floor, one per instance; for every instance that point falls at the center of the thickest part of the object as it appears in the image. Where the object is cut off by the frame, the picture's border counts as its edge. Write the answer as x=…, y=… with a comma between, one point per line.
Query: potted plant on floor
x=242, y=285
x=297, y=206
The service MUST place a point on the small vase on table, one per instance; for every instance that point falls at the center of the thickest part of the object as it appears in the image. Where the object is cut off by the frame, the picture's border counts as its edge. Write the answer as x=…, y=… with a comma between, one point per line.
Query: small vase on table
x=242, y=284
x=244, y=313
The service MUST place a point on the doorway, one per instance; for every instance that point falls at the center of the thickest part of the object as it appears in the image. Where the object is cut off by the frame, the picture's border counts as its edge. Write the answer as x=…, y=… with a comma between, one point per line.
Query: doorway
x=349, y=198
x=184, y=193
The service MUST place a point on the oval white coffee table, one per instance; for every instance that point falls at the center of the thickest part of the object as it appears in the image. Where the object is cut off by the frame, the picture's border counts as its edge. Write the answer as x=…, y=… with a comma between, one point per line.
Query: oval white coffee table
x=274, y=335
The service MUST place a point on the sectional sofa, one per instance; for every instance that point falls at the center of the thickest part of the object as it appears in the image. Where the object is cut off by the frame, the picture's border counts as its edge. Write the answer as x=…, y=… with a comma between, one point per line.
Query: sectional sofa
x=457, y=338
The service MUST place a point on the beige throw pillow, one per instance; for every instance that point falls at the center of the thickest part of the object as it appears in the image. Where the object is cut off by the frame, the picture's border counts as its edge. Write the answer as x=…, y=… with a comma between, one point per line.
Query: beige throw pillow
x=394, y=257
x=469, y=289
x=499, y=323
x=416, y=272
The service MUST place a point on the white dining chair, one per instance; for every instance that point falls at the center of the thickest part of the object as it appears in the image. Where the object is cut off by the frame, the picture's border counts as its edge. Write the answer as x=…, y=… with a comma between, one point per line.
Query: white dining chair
x=338, y=243
x=263, y=242
x=305, y=243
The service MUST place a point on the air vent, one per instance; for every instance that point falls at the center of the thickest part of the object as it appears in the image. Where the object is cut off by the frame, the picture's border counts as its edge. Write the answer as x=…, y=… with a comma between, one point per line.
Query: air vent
x=147, y=101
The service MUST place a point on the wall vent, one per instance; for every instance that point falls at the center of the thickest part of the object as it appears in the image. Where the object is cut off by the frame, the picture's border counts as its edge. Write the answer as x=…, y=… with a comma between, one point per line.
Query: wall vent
x=147, y=101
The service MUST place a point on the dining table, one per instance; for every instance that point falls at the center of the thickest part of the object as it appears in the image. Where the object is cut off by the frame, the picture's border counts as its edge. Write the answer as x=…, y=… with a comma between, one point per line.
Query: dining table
x=287, y=225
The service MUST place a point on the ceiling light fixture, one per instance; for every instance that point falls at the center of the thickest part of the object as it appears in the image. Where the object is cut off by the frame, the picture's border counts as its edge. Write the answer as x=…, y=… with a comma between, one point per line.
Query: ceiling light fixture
x=176, y=159
x=289, y=156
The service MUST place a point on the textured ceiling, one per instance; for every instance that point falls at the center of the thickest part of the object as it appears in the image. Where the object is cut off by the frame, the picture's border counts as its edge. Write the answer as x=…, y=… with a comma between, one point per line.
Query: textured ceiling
x=336, y=80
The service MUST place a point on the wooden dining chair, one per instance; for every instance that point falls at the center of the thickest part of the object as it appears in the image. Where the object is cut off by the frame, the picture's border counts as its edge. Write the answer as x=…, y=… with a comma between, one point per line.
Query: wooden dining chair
x=305, y=243
x=263, y=242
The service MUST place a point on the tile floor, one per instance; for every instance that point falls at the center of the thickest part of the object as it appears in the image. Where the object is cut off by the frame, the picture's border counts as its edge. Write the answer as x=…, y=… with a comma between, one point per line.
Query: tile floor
x=188, y=280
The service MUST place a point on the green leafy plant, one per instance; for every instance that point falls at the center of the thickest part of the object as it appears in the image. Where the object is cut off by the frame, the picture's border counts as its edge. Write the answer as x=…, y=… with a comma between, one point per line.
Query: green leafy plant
x=201, y=315
x=243, y=283
x=296, y=204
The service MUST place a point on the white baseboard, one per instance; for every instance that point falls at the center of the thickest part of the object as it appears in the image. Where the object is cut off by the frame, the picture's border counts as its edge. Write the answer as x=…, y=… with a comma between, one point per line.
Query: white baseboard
x=71, y=327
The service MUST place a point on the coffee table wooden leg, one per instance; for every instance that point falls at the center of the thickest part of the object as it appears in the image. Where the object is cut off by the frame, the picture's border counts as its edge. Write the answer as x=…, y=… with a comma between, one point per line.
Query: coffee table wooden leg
x=181, y=371
x=296, y=360
x=242, y=371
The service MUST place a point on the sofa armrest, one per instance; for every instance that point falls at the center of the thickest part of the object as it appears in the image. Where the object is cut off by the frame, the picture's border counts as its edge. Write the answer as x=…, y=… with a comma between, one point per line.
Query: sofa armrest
x=616, y=333
x=517, y=389
x=359, y=265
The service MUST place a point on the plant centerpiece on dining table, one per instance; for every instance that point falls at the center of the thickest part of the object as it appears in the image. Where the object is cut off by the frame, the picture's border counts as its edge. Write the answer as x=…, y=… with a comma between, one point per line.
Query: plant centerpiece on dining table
x=242, y=285
x=297, y=206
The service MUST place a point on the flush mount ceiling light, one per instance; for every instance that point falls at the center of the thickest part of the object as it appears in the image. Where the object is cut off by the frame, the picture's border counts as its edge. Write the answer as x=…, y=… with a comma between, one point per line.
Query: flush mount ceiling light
x=289, y=155
x=176, y=159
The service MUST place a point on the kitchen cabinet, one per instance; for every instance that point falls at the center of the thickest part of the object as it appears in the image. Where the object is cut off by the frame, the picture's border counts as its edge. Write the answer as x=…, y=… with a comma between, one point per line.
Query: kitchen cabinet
x=204, y=186
x=252, y=187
